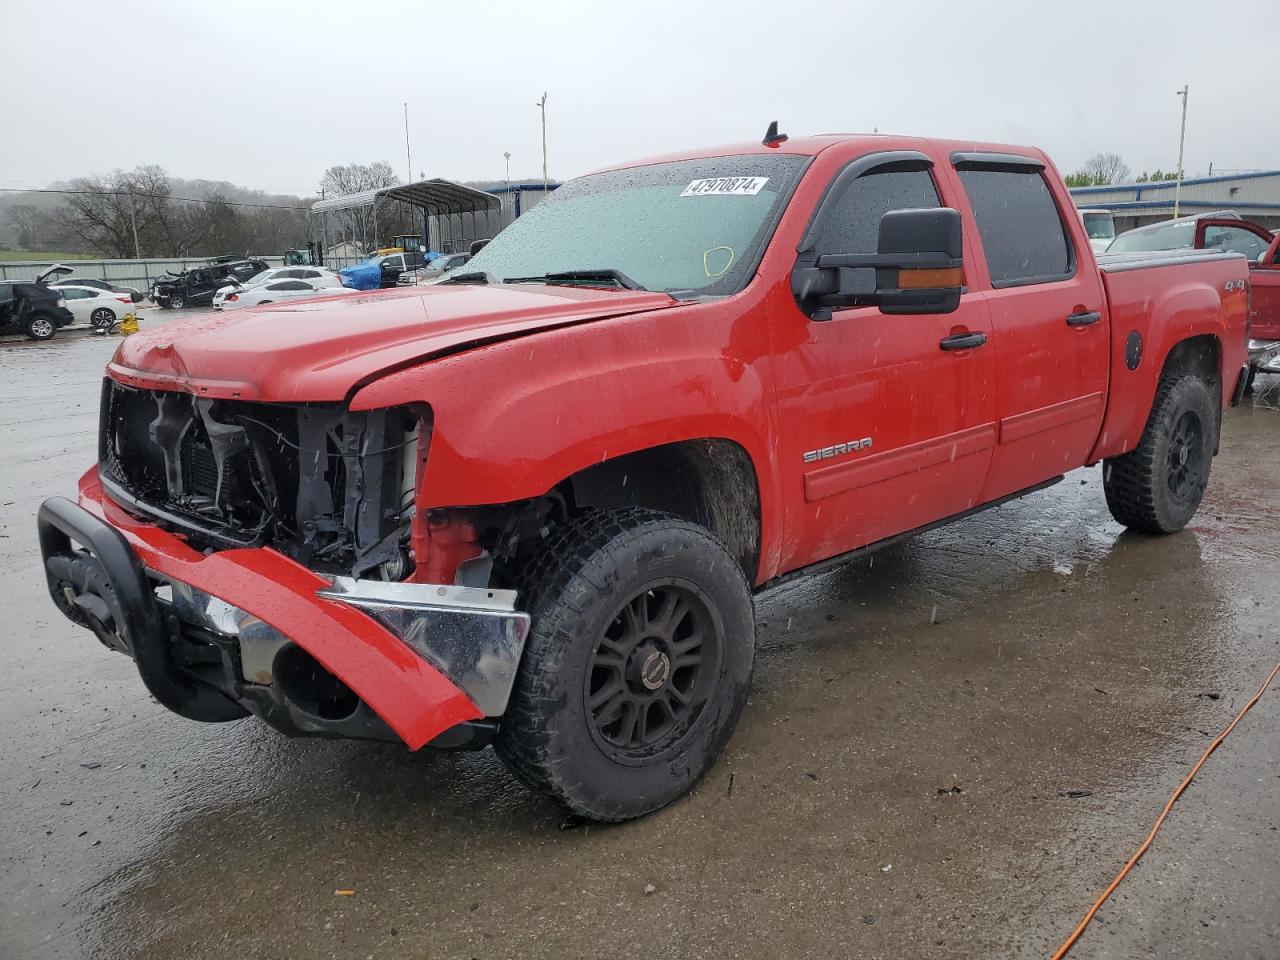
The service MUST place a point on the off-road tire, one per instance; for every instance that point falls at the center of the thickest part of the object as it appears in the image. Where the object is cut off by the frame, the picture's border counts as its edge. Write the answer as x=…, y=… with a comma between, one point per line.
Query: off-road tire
x=583, y=579
x=41, y=326
x=1140, y=487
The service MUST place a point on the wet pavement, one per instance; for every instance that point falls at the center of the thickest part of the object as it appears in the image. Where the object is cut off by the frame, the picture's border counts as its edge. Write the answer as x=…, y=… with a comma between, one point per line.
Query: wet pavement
x=949, y=750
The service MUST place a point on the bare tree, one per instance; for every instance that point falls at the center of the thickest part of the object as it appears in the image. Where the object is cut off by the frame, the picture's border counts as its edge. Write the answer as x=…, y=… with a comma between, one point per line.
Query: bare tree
x=25, y=221
x=365, y=224
x=124, y=214
x=345, y=178
x=1104, y=168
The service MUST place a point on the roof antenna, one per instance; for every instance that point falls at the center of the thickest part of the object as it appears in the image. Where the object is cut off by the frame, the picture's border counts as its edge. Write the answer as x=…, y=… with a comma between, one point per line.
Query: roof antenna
x=772, y=137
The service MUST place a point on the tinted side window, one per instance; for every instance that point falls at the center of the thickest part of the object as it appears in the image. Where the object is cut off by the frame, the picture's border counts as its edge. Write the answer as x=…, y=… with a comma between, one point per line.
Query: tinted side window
x=1022, y=234
x=854, y=226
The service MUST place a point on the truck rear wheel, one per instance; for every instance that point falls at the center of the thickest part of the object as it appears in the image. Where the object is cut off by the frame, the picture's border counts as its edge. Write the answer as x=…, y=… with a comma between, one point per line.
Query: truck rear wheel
x=1157, y=487
x=636, y=667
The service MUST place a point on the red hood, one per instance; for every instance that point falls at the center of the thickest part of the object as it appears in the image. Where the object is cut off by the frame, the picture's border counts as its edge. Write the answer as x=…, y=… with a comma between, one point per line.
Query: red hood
x=318, y=349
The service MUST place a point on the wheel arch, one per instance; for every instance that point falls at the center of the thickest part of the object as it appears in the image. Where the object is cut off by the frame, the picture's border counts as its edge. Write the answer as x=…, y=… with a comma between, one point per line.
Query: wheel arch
x=709, y=481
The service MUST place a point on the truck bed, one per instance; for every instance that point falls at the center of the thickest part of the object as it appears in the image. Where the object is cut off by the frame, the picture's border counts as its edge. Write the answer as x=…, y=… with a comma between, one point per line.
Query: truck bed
x=1193, y=293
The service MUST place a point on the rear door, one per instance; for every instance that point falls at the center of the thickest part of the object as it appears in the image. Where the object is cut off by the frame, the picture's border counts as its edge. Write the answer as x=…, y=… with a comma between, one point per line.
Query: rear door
x=1259, y=245
x=1048, y=316
x=884, y=427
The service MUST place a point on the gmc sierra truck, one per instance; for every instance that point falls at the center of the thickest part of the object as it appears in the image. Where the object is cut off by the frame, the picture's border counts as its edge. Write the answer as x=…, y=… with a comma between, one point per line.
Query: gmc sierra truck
x=529, y=506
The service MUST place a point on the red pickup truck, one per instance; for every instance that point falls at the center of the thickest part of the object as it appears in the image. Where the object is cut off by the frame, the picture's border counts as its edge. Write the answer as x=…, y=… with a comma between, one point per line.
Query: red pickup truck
x=530, y=505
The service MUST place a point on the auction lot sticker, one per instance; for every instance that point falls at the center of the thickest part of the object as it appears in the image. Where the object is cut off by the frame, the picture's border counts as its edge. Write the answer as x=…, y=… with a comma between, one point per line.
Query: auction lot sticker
x=726, y=187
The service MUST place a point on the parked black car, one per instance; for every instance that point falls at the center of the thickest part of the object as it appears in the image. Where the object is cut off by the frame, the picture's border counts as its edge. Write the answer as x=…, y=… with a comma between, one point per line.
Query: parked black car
x=195, y=288
x=392, y=265
x=33, y=309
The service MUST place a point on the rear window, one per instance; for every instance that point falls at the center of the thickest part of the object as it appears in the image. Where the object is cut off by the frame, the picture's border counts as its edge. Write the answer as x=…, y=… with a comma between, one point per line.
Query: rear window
x=1099, y=226
x=1022, y=234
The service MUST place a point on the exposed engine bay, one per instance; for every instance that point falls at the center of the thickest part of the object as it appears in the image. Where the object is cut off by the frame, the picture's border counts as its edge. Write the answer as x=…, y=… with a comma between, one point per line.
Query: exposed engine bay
x=331, y=488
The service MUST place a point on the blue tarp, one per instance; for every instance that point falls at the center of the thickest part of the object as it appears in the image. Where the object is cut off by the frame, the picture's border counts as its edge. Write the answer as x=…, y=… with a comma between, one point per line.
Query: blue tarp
x=362, y=276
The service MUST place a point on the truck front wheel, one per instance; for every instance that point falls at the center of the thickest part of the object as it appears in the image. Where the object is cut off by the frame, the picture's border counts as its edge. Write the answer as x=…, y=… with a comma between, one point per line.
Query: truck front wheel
x=636, y=667
x=1157, y=487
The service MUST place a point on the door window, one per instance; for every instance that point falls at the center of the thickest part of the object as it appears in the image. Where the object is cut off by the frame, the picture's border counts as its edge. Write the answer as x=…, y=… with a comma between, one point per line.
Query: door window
x=289, y=285
x=1022, y=232
x=1235, y=240
x=854, y=226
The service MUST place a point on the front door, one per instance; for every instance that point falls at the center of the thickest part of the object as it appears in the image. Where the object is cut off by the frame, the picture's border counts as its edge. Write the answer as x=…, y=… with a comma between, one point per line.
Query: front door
x=1048, y=316
x=1259, y=246
x=1266, y=293
x=886, y=422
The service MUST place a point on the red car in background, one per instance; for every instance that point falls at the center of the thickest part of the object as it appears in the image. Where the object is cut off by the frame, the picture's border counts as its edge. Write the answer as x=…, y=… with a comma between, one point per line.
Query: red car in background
x=1227, y=231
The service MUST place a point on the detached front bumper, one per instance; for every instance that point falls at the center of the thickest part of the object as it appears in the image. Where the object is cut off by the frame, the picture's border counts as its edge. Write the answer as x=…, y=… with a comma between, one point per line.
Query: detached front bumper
x=249, y=630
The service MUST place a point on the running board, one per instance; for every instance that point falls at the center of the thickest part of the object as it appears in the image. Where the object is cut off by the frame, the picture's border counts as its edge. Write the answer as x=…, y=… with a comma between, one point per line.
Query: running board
x=855, y=554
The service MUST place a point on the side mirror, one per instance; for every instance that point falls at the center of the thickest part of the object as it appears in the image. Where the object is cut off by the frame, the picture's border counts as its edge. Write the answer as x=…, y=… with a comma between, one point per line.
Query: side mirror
x=917, y=268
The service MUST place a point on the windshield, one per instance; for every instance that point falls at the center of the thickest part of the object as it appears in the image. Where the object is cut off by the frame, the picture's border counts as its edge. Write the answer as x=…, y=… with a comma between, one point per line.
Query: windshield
x=1099, y=226
x=693, y=226
x=258, y=278
x=1169, y=236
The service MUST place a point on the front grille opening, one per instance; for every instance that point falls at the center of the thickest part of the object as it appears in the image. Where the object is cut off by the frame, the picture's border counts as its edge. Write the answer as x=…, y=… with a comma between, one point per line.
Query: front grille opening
x=329, y=487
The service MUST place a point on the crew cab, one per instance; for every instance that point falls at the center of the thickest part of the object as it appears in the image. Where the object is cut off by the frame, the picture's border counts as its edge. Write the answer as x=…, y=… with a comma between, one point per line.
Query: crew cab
x=529, y=505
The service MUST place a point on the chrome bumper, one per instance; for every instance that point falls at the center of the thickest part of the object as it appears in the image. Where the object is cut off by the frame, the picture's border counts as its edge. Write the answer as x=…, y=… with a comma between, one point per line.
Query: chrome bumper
x=1265, y=355
x=474, y=635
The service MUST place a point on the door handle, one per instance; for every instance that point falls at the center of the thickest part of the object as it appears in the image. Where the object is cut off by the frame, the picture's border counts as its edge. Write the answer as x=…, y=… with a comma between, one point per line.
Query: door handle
x=963, y=341
x=1083, y=319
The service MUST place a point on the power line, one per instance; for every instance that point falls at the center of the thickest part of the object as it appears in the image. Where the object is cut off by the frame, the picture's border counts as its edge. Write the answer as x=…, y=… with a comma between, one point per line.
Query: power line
x=154, y=196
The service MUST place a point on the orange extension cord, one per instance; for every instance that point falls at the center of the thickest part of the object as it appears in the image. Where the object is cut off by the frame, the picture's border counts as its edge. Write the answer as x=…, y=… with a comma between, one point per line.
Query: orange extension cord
x=1111, y=888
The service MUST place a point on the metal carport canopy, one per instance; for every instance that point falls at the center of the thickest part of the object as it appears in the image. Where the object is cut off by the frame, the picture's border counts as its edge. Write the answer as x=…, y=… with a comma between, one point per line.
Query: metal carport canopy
x=438, y=197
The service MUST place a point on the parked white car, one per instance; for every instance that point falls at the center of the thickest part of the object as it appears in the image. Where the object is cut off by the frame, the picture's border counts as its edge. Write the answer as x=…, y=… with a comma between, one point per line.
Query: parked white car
x=279, y=283
x=134, y=293
x=99, y=308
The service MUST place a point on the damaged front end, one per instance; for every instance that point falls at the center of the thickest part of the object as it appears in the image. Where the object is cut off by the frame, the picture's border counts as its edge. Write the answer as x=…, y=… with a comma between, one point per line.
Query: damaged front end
x=332, y=489
x=270, y=558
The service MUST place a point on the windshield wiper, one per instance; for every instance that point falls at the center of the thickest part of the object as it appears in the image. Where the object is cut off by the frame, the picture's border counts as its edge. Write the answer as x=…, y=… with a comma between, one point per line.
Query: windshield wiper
x=607, y=274
x=475, y=276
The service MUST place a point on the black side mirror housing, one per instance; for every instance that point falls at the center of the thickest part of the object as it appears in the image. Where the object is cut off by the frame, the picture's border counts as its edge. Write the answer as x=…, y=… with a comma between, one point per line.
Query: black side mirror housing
x=917, y=268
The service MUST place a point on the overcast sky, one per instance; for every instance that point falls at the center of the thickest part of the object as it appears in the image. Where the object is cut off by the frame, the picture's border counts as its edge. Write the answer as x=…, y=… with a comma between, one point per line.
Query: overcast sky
x=268, y=94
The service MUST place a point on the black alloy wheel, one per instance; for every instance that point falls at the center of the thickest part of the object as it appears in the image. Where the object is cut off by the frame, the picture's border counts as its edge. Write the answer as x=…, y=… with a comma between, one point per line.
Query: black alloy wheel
x=1186, y=458
x=652, y=672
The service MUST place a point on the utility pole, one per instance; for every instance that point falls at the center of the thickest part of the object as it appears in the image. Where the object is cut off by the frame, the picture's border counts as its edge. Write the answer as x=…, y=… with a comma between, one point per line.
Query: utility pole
x=407, y=155
x=542, y=106
x=1182, y=139
x=133, y=222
